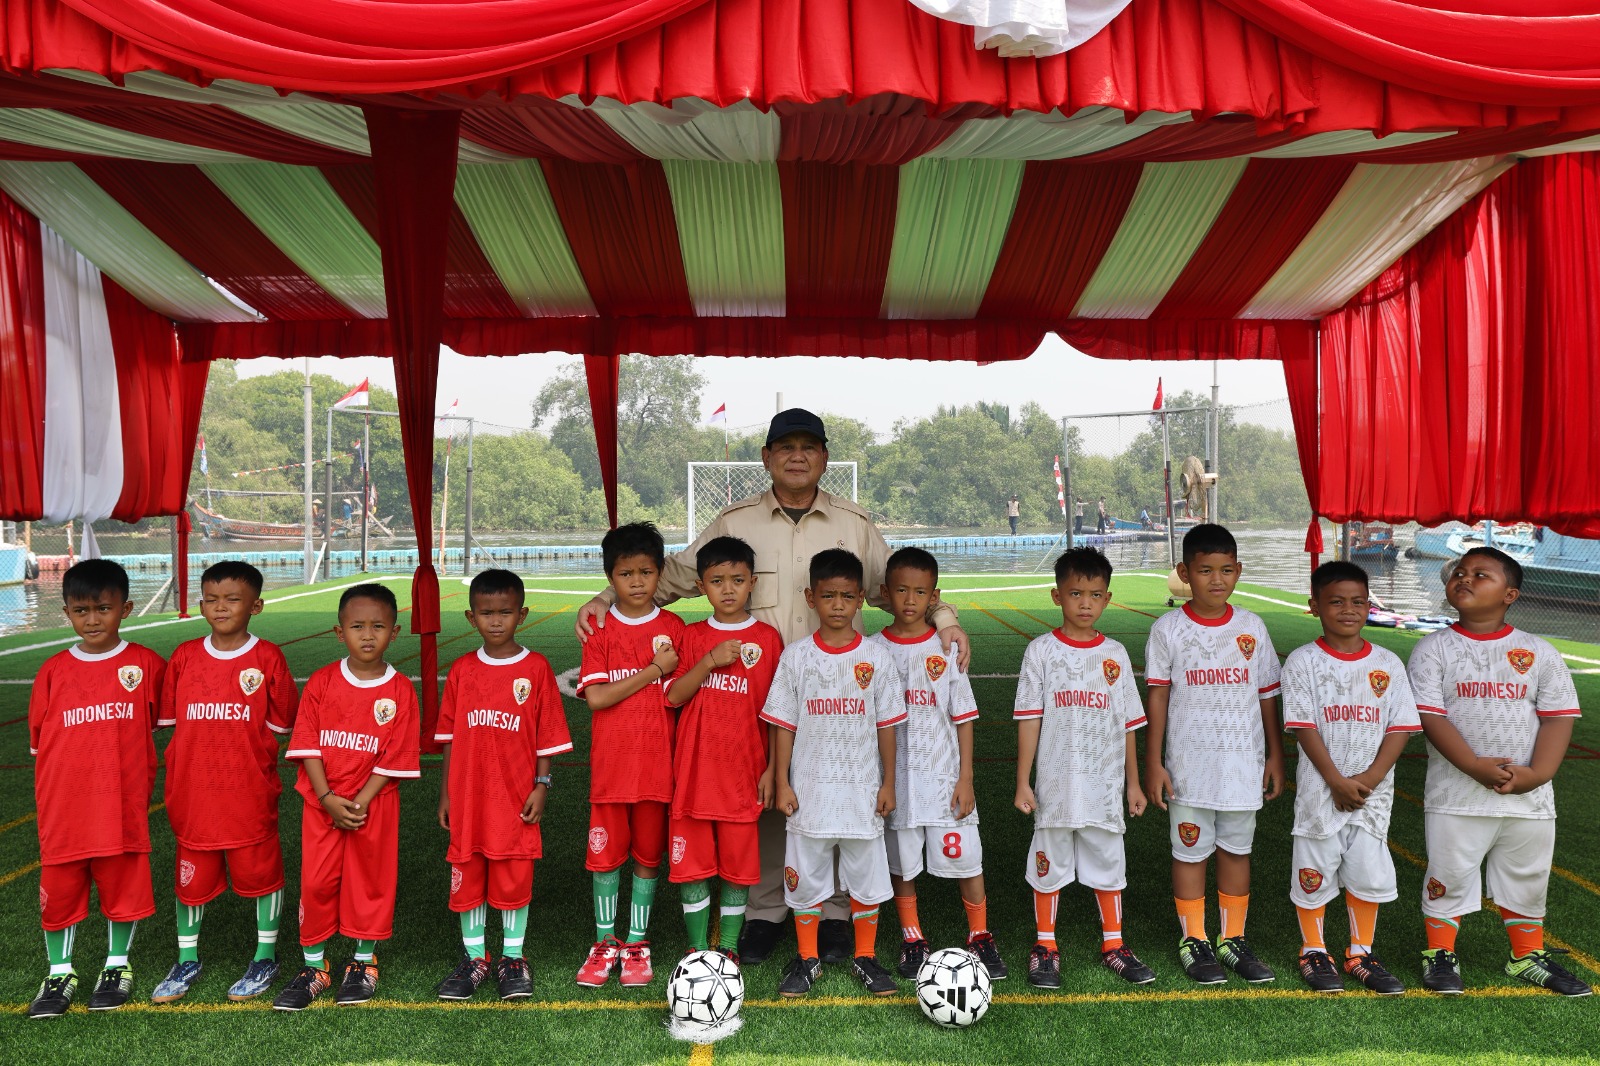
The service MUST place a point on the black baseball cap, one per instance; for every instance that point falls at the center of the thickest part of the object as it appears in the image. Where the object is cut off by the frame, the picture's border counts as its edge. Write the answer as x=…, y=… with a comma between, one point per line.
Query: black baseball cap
x=795, y=420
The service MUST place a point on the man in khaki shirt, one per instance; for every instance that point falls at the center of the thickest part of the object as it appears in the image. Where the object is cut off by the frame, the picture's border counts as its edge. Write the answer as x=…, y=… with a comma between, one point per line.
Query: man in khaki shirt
x=786, y=526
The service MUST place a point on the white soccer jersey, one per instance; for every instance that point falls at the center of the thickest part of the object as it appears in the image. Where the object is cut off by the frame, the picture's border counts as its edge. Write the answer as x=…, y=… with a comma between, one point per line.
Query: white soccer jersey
x=1493, y=689
x=1088, y=699
x=1219, y=670
x=927, y=753
x=835, y=700
x=1353, y=700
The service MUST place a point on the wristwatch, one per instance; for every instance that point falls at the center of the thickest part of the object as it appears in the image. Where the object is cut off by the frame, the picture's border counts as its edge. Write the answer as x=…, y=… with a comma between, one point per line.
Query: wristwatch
x=543, y=779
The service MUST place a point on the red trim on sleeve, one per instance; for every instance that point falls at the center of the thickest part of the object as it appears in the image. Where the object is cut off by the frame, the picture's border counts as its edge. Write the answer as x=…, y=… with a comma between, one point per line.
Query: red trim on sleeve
x=1019, y=715
x=1299, y=725
x=1157, y=681
x=969, y=716
x=1270, y=689
x=1404, y=729
x=1427, y=708
x=763, y=716
x=1566, y=712
x=893, y=721
x=1135, y=724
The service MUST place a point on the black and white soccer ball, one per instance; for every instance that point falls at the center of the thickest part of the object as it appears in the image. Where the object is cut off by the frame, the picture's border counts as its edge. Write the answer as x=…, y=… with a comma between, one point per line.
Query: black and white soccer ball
x=953, y=988
x=704, y=995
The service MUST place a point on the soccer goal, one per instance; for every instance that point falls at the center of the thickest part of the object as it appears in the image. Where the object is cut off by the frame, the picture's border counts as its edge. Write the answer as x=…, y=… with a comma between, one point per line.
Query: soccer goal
x=712, y=486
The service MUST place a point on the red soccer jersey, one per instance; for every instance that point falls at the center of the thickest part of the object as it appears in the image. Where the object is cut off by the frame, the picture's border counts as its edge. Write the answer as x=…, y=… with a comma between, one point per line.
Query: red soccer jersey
x=90, y=719
x=226, y=709
x=498, y=716
x=722, y=745
x=630, y=744
x=357, y=728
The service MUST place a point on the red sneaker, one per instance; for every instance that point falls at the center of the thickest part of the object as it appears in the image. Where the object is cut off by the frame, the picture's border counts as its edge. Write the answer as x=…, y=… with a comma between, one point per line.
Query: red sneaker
x=636, y=964
x=597, y=968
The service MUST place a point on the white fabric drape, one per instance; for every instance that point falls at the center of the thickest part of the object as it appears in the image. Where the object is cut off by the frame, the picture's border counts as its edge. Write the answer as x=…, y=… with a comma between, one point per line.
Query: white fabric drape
x=1020, y=28
x=82, y=413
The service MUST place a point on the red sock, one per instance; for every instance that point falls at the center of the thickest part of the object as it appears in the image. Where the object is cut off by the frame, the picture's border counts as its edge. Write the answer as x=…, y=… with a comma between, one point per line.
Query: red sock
x=910, y=925
x=1441, y=932
x=805, y=933
x=1110, y=919
x=1044, y=913
x=977, y=916
x=1527, y=934
x=865, y=919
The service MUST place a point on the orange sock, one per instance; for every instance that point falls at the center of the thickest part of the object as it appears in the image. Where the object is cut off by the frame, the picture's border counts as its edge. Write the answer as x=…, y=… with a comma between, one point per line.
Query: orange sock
x=1441, y=932
x=1191, y=917
x=910, y=925
x=1363, y=925
x=1234, y=909
x=1044, y=915
x=977, y=916
x=806, y=924
x=1527, y=934
x=1110, y=919
x=1311, y=938
x=865, y=920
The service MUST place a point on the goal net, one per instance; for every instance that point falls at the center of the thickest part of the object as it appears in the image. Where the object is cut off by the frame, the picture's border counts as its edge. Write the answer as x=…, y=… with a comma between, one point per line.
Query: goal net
x=712, y=486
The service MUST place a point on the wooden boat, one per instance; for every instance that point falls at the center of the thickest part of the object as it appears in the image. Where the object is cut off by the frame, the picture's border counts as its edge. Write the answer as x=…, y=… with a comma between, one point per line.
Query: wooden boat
x=1373, y=542
x=213, y=526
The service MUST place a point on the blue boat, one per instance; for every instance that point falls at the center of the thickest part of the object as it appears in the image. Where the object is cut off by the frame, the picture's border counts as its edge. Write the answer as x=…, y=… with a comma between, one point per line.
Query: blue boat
x=1555, y=568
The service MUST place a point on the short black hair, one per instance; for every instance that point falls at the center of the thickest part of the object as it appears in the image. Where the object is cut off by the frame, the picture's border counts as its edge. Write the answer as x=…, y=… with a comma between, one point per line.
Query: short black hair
x=370, y=591
x=88, y=579
x=1336, y=570
x=1511, y=568
x=1083, y=562
x=234, y=570
x=836, y=562
x=488, y=582
x=719, y=550
x=1208, y=538
x=912, y=558
x=635, y=538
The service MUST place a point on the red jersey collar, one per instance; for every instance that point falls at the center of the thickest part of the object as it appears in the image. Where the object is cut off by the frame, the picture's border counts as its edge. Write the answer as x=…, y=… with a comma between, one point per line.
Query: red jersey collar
x=522, y=653
x=1346, y=656
x=1227, y=617
x=642, y=620
x=1503, y=631
x=852, y=646
x=905, y=641
x=100, y=657
x=344, y=669
x=211, y=649
x=1099, y=639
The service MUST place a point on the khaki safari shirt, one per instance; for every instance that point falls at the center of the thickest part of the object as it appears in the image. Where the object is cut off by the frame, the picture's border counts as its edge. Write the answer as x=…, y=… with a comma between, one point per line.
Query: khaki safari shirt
x=783, y=549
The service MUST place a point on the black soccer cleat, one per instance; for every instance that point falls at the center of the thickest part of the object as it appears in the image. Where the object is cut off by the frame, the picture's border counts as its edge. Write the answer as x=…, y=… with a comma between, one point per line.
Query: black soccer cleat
x=988, y=952
x=514, y=977
x=1044, y=967
x=113, y=988
x=1200, y=962
x=1538, y=968
x=1441, y=972
x=757, y=941
x=302, y=988
x=873, y=978
x=1235, y=953
x=836, y=940
x=464, y=979
x=1126, y=965
x=1374, y=975
x=360, y=982
x=55, y=996
x=913, y=953
x=1319, y=973
x=798, y=978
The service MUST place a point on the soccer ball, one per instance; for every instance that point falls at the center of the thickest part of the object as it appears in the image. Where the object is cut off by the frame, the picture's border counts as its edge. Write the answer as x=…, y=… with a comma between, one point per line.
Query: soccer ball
x=704, y=995
x=953, y=988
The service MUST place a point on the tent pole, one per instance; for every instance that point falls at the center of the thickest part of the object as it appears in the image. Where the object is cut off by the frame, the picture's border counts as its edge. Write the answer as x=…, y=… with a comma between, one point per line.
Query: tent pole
x=327, y=505
x=310, y=568
x=366, y=484
x=1166, y=467
x=1213, y=447
x=466, y=532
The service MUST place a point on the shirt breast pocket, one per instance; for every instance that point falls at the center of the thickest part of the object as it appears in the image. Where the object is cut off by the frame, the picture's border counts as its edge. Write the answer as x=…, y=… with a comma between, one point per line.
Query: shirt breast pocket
x=765, y=593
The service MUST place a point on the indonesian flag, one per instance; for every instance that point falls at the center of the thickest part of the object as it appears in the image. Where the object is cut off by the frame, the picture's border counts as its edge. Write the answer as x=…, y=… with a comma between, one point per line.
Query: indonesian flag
x=356, y=397
x=1061, y=488
x=1157, y=405
x=451, y=410
x=204, y=469
x=719, y=415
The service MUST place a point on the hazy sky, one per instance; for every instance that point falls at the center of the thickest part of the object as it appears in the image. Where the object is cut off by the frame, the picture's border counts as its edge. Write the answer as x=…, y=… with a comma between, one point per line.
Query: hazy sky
x=877, y=391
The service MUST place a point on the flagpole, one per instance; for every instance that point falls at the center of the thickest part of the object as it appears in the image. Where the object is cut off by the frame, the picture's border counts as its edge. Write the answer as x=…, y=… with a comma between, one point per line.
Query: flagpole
x=1166, y=463
x=366, y=481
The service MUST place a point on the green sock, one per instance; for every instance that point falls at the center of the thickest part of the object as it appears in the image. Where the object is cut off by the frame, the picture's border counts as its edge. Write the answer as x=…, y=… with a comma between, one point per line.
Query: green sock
x=58, y=945
x=696, y=897
x=472, y=927
x=119, y=941
x=269, y=915
x=734, y=900
x=189, y=930
x=514, y=924
x=606, y=887
x=314, y=955
x=365, y=949
x=641, y=900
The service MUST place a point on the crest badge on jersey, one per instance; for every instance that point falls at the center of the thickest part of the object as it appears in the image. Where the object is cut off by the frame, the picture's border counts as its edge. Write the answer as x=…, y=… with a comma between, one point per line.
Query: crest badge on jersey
x=130, y=676
x=1379, y=680
x=749, y=654
x=250, y=680
x=1310, y=880
x=455, y=879
x=791, y=878
x=1041, y=864
x=863, y=675
x=660, y=643
x=1521, y=659
x=1189, y=834
x=597, y=839
x=680, y=847
x=1436, y=888
x=1247, y=645
x=383, y=711
x=185, y=871
x=1111, y=669
x=521, y=688
x=936, y=667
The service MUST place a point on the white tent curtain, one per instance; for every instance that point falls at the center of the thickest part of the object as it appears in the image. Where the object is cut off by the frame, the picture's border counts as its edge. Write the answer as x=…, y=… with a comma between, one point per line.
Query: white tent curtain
x=1020, y=28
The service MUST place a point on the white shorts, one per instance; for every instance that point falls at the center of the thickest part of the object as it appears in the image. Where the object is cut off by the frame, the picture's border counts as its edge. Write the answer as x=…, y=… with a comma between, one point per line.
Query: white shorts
x=808, y=870
x=1516, y=852
x=1352, y=859
x=942, y=850
x=1198, y=832
x=1090, y=856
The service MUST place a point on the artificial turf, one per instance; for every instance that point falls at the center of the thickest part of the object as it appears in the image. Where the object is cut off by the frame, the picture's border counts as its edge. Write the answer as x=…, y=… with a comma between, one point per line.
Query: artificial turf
x=1094, y=1017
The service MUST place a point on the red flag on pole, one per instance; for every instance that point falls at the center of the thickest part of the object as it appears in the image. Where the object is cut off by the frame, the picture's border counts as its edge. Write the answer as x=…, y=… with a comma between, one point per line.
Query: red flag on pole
x=1061, y=488
x=356, y=397
x=1157, y=405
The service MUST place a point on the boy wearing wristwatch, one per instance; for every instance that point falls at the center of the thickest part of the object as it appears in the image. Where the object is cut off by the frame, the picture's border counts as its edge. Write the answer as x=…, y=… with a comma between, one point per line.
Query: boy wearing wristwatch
x=501, y=722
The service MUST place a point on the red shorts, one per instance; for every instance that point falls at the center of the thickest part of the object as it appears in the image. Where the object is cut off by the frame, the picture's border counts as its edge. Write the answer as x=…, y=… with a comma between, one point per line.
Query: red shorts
x=254, y=869
x=702, y=849
x=506, y=883
x=347, y=879
x=126, y=894
x=617, y=830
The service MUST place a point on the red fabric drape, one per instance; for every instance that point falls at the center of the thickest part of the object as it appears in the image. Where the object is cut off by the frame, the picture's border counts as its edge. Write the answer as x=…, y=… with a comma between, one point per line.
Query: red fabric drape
x=1300, y=375
x=1107, y=338
x=185, y=527
x=1473, y=358
x=414, y=158
x=838, y=233
x=602, y=372
x=21, y=364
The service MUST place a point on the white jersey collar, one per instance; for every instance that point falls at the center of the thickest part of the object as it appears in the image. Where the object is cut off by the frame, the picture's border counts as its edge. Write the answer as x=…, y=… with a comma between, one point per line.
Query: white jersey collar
x=344, y=668
x=625, y=620
x=211, y=649
x=731, y=627
x=522, y=653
